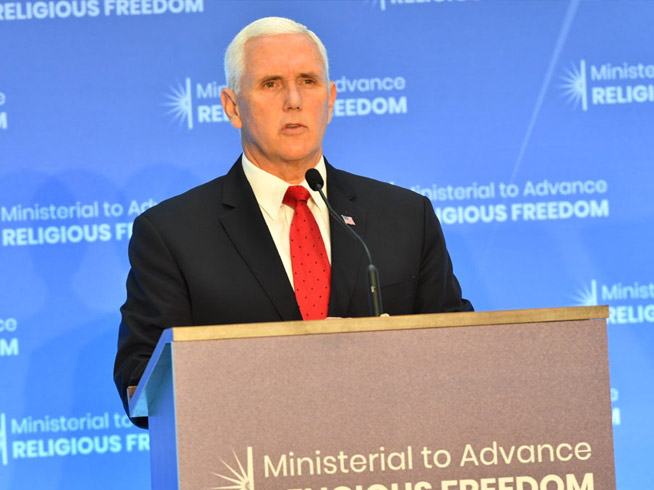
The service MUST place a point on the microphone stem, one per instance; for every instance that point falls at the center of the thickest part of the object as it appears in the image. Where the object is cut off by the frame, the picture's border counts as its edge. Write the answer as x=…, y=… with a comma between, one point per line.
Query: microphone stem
x=374, y=291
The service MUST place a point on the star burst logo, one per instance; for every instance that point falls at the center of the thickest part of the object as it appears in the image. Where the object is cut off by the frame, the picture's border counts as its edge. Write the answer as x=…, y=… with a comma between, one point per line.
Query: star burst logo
x=237, y=477
x=587, y=296
x=575, y=86
x=180, y=103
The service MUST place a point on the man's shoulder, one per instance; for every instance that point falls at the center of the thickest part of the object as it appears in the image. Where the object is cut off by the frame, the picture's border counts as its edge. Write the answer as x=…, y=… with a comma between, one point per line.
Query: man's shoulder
x=192, y=202
x=374, y=190
x=204, y=198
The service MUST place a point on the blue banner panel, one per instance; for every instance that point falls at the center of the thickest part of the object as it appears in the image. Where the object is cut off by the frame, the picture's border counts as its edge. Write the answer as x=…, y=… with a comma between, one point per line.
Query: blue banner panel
x=527, y=123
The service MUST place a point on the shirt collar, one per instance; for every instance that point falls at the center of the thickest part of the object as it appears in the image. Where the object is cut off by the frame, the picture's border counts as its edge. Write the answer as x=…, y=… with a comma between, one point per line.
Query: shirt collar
x=269, y=189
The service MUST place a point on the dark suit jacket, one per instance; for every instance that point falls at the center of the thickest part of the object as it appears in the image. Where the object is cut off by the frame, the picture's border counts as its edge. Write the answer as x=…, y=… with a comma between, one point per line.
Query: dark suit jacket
x=206, y=257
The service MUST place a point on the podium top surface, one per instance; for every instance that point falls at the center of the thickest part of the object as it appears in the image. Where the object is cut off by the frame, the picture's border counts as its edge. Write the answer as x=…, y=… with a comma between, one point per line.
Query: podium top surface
x=370, y=324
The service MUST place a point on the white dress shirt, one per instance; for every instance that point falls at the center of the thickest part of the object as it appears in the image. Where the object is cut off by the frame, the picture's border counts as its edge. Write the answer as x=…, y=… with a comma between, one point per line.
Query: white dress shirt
x=269, y=191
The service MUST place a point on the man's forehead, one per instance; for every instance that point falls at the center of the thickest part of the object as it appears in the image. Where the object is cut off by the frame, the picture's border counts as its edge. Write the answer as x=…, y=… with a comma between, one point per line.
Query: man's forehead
x=281, y=52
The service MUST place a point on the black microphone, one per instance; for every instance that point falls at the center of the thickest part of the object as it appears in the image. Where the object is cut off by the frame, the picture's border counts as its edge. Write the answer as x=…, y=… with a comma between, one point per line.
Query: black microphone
x=314, y=179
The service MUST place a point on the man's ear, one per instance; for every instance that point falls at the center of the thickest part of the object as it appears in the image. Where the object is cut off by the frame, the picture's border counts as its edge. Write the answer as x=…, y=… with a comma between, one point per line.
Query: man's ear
x=332, y=99
x=228, y=99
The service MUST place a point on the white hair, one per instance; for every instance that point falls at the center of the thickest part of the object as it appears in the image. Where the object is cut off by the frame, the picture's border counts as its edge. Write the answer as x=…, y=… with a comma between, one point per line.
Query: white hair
x=267, y=26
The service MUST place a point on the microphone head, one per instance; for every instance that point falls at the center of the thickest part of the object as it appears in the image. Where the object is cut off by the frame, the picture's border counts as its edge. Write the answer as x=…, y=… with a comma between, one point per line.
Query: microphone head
x=314, y=179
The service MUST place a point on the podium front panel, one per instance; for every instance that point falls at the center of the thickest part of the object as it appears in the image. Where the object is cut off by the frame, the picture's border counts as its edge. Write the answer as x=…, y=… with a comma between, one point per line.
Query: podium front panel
x=511, y=407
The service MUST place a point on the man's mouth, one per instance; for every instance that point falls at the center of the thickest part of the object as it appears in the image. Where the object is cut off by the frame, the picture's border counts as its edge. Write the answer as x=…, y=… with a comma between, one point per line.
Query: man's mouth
x=293, y=128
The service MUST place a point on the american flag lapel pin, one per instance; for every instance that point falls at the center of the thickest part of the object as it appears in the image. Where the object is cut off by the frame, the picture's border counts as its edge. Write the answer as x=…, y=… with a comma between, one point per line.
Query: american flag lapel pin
x=348, y=220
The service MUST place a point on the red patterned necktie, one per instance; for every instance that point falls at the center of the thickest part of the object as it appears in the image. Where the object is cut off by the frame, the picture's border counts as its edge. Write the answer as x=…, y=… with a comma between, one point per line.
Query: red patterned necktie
x=311, y=269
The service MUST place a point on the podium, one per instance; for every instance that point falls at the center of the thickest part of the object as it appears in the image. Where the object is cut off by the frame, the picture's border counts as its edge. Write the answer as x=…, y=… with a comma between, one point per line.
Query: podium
x=505, y=400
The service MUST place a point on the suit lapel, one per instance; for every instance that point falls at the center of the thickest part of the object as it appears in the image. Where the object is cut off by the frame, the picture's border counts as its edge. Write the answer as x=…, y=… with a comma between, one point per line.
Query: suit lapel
x=347, y=253
x=249, y=233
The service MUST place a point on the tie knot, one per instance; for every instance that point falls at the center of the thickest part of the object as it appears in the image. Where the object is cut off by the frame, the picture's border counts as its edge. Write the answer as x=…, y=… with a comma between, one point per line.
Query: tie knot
x=295, y=194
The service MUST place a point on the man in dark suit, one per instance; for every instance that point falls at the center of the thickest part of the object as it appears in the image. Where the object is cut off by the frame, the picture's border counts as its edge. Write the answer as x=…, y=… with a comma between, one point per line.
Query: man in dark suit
x=221, y=253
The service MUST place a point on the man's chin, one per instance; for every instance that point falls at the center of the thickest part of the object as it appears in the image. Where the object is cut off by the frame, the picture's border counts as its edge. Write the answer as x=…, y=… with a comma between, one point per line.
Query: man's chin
x=301, y=158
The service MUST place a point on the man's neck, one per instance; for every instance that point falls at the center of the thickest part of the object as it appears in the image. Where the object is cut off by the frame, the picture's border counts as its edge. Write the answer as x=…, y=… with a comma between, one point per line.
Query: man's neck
x=289, y=171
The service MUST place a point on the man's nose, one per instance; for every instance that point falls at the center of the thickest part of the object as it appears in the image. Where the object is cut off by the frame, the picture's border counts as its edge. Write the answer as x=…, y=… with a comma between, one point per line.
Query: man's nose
x=293, y=97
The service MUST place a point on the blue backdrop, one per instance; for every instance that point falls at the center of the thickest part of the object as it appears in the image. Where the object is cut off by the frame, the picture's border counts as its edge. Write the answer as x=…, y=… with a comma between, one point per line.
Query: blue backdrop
x=528, y=123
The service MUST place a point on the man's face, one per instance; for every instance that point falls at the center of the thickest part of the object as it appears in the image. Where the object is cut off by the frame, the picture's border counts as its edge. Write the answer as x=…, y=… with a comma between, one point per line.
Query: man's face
x=284, y=104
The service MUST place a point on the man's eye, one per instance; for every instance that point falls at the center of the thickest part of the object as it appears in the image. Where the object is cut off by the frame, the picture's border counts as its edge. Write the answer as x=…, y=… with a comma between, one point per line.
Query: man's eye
x=309, y=81
x=269, y=84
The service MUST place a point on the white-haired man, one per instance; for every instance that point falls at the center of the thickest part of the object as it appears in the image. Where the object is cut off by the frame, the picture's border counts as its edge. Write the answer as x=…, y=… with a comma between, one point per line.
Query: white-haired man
x=257, y=245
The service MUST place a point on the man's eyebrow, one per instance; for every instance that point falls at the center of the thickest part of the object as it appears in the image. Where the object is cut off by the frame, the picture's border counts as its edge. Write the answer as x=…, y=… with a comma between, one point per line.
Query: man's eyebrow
x=310, y=74
x=307, y=74
x=266, y=78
